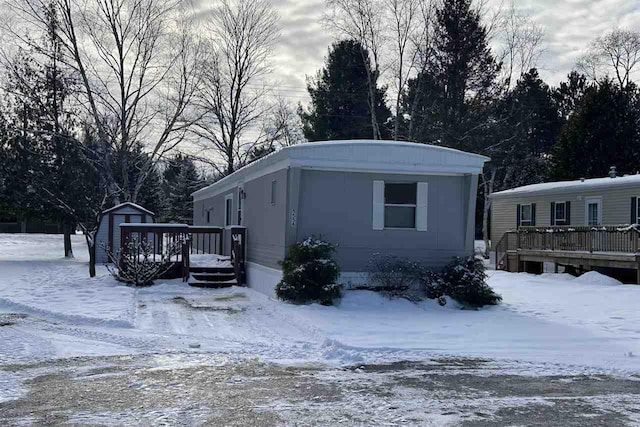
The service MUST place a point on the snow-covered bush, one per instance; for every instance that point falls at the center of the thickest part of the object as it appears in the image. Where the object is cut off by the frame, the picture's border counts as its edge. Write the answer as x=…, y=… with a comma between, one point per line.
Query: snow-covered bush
x=394, y=277
x=435, y=287
x=137, y=265
x=309, y=273
x=464, y=280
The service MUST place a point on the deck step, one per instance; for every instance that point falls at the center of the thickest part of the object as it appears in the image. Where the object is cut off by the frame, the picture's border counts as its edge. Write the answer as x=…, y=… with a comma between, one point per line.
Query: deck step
x=210, y=270
x=213, y=277
x=216, y=285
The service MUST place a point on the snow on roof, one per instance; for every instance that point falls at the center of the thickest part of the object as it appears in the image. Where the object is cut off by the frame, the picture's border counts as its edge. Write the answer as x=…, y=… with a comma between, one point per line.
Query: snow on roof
x=128, y=204
x=569, y=186
x=356, y=155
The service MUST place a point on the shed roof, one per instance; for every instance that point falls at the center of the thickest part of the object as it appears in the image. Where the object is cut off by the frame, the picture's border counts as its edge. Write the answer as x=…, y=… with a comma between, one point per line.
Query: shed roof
x=129, y=205
x=357, y=156
x=571, y=186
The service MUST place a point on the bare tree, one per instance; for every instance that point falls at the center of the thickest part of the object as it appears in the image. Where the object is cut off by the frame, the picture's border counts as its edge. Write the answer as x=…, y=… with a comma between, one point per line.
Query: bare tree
x=138, y=68
x=521, y=39
x=405, y=27
x=231, y=101
x=363, y=21
x=617, y=53
x=136, y=63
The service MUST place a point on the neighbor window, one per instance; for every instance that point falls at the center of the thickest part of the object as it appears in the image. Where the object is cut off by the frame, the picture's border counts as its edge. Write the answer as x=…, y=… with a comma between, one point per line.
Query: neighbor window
x=400, y=205
x=228, y=210
x=526, y=215
x=637, y=210
x=560, y=212
x=208, y=216
x=273, y=192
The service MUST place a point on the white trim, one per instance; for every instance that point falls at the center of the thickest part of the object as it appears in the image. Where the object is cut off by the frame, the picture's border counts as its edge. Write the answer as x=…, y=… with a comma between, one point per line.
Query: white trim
x=422, y=203
x=530, y=220
x=393, y=157
x=240, y=206
x=555, y=210
x=378, y=205
x=262, y=278
x=590, y=200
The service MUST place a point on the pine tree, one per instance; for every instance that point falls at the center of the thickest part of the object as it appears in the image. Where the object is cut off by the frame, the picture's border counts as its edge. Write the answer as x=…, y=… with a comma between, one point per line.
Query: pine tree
x=181, y=179
x=529, y=125
x=339, y=98
x=450, y=100
x=603, y=131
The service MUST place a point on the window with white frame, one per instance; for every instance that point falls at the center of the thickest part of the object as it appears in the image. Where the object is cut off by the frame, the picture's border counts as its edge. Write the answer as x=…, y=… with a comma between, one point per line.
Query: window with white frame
x=526, y=215
x=400, y=205
x=228, y=210
x=560, y=213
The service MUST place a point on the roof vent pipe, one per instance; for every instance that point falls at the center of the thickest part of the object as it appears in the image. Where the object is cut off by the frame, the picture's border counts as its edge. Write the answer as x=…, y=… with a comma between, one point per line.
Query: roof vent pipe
x=612, y=172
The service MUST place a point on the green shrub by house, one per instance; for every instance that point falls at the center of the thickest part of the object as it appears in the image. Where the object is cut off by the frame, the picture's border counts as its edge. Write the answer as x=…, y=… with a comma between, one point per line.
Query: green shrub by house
x=309, y=273
x=465, y=280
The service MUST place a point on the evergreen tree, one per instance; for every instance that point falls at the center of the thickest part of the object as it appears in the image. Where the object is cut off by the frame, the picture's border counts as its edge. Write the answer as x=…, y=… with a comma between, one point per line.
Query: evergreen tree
x=339, y=98
x=181, y=179
x=602, y=132
x=449, y=102
x=530, y=126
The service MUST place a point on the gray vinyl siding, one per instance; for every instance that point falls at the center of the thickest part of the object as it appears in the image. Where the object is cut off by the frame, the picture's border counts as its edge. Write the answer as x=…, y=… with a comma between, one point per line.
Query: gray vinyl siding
x=265, y=221
x=616, y=208
x=102, y=235
x=338, y=207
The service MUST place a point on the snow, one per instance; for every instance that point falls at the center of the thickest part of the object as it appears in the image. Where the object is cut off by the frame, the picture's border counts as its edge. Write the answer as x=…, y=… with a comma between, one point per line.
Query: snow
x=553, y=320
x=579, y=185
x=209, y=260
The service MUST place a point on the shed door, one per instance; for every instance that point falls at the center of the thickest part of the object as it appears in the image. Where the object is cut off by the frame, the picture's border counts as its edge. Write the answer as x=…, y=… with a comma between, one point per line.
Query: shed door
x=122, y=219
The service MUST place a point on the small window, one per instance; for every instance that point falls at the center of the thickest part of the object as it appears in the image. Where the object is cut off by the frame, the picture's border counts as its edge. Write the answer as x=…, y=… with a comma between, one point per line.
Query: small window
x=637, y=212
x=400, y=205
x=560, y=213
x=526, y=215
x=228, y=210
x=240, y=205
x=208, y=216
x=273, y=192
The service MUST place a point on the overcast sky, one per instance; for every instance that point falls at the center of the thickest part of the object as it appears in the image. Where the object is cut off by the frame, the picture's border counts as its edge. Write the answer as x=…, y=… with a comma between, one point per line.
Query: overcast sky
x=569, y=27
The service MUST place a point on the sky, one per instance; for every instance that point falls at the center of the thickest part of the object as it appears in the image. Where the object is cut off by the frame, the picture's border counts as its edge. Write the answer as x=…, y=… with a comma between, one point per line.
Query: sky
x=569, y=25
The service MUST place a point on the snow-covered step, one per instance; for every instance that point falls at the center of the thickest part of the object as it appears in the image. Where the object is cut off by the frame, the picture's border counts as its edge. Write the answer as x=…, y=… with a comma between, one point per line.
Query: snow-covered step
x=206, y=284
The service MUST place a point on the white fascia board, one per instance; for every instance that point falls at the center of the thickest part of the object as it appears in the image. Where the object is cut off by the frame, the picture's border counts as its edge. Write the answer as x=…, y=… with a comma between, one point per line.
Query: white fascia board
x=392, y=168
x=231, y=182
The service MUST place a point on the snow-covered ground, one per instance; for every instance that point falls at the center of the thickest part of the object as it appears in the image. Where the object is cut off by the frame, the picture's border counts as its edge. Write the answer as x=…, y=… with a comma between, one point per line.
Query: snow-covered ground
x=553, y=321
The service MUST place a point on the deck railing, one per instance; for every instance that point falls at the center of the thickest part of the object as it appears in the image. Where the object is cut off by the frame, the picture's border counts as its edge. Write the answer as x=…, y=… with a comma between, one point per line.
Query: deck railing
x=178, y=241
x=610, y=238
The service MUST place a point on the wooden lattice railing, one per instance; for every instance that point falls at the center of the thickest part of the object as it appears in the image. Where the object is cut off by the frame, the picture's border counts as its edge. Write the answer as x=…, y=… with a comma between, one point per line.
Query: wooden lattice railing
x=611, y=238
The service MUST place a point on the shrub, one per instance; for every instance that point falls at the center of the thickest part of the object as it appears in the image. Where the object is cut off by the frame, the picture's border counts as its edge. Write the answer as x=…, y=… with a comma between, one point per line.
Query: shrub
x=309, y=273
x=465, y=280
x=137, y=265
x=435, y=287
x=394, y=277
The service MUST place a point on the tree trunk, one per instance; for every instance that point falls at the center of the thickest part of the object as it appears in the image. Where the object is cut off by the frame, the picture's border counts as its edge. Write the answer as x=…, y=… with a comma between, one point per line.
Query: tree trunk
x=67, y=229
x=91, y=245
x=488, y=190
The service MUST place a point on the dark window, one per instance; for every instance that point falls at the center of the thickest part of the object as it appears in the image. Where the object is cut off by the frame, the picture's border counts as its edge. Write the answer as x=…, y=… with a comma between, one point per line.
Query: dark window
x=208, y=217
x=400, y=205
x=526, y=215
x=228, y=211
x=560, y=214
x=400, y=194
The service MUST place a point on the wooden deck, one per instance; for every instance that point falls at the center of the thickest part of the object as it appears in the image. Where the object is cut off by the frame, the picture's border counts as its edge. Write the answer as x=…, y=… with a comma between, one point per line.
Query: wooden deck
x=181, y=242
x=582, y=248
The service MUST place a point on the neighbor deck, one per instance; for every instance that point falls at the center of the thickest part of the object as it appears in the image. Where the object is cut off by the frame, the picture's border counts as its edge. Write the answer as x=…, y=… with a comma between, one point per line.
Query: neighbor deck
x=582, y=248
